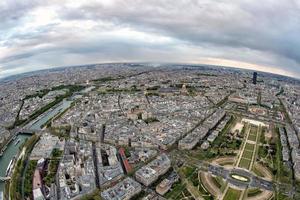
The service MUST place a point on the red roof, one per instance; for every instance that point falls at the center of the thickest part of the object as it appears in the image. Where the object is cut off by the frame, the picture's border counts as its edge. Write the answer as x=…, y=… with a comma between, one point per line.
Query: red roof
x=127, y=166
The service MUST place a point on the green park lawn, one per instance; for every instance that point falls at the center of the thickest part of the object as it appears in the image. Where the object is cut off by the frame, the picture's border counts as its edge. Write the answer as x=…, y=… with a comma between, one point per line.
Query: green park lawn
x=232, y=194
x=249, y=147
x=252, y=137
x=247, y=154
x=244, y=163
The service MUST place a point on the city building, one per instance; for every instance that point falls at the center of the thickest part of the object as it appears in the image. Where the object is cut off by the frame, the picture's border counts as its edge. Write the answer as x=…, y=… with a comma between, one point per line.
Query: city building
x=124, y=190
x=45, y=146
x=149, y=173
x=254, y=79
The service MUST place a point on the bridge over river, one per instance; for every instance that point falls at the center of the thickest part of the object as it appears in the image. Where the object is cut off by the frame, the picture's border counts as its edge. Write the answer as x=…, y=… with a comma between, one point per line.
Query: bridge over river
x=3, y=179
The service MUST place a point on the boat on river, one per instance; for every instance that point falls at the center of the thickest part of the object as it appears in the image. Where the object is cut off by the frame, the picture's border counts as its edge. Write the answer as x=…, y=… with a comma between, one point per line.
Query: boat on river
x=10, y=166
x=17, y=142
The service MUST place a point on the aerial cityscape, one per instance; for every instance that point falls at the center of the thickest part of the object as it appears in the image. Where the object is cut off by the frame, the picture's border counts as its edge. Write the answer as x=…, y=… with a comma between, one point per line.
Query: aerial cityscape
x=144, y=131
x=149, y=100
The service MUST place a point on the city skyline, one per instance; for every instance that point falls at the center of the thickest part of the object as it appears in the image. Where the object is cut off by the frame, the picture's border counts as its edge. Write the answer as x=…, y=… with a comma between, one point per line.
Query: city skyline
x=152, y=132
x=149, y=100
x=37, y=35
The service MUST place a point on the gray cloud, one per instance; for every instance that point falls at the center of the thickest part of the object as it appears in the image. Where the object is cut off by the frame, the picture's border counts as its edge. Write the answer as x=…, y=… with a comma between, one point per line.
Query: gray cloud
x=262, y=33
x=268, y=26
x=11, y=12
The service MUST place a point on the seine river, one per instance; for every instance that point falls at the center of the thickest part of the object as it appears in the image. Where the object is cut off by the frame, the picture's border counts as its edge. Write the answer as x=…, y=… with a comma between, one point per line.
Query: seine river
x=8, y=154
x=13, y=149
x=37, y=124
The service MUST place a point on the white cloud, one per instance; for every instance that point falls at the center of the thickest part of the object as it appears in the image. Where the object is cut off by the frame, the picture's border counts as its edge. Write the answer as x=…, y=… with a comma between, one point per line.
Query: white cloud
x=253, y=34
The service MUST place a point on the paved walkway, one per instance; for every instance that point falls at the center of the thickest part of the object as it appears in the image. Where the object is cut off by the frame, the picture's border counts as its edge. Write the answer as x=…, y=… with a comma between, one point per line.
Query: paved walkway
x=191, y=188
x=224, y=193
x=244, y=145
x=267, y=174
x=265, y=195
x=242, y=194
x=256, y=147
x=212, y=188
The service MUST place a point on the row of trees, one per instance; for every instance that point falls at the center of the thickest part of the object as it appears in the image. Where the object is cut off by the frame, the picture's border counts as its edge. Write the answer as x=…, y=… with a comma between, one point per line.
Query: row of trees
x=52, y=167
x=71, y=89
x=16, y=182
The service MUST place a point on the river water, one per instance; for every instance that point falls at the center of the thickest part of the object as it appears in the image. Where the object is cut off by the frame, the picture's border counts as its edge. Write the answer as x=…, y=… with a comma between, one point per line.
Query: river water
x=8, y=154
x=13, y=149
x=37, y=124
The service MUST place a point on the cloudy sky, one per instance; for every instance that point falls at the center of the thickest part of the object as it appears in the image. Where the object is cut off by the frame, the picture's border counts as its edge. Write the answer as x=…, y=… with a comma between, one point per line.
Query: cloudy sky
x=255, y=34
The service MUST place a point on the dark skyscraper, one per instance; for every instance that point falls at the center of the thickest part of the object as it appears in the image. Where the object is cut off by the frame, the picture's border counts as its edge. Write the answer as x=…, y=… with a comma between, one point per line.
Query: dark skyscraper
x=254, y=80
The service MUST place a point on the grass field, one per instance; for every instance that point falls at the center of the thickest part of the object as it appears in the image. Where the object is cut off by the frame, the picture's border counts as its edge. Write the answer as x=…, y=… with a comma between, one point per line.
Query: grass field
x=247, y=154
x=252, y=137
x=176, y=191
x=249, y=147
x=249, y=150
x=217, y=182
x=257, y=172
x=232, y=194
x=244, y=163
x=253, y=192
x=253, y=130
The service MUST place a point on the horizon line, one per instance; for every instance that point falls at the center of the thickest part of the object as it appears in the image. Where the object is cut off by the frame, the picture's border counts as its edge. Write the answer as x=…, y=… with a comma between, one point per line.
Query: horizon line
x=145, y=62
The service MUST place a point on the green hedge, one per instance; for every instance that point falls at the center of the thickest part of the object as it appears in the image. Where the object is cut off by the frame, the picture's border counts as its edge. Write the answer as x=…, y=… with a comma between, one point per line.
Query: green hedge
x=19, y=170
x=29, y=178
x=52, y=167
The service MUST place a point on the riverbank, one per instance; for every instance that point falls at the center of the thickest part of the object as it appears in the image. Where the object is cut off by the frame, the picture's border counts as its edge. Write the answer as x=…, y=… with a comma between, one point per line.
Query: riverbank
x=11, y=151
x=15, y=186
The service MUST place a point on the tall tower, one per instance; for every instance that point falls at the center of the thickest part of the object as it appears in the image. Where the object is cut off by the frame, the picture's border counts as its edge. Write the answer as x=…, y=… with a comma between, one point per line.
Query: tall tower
x=102, y=133
x=183, y=89
x=254, y=79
